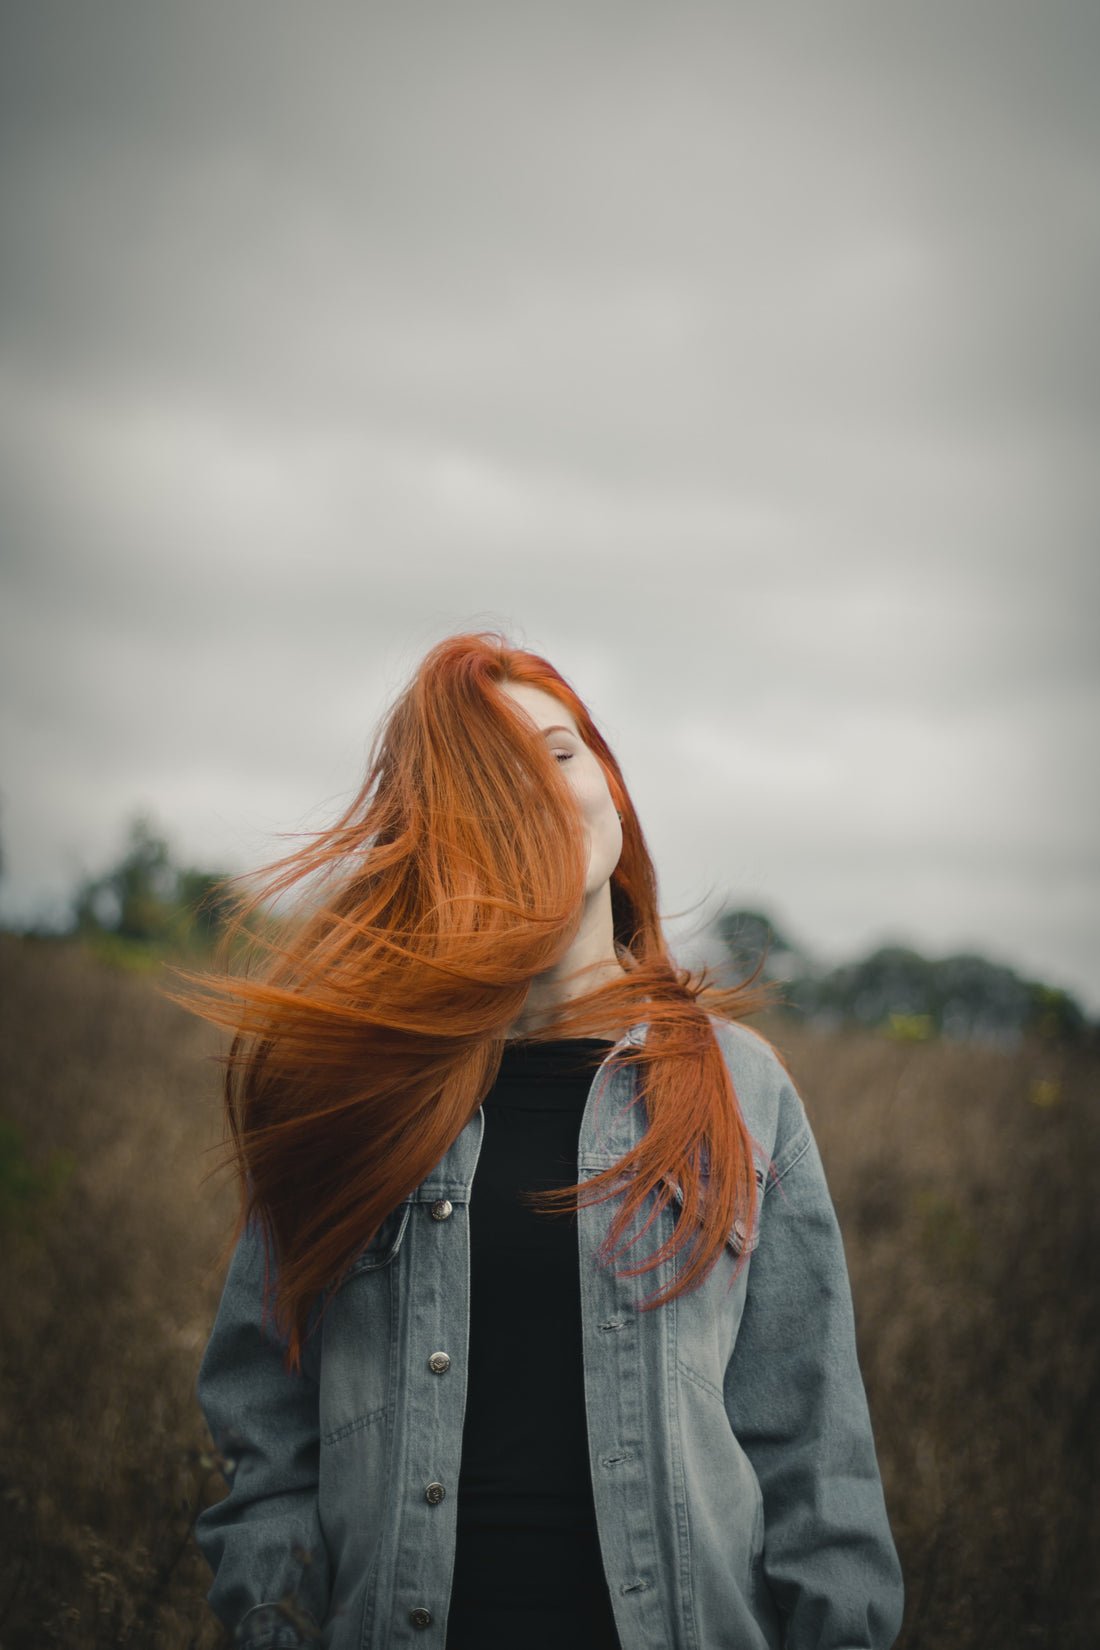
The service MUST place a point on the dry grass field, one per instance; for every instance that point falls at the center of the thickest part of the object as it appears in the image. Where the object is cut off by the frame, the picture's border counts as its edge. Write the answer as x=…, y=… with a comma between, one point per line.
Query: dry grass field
x=965, y=1181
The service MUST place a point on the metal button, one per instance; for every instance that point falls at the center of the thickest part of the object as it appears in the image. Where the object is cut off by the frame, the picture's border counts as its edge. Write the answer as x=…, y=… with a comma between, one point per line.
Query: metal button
x=442, y=1209
x=434, y=1494
x=420, y=1618
x=439, y=1363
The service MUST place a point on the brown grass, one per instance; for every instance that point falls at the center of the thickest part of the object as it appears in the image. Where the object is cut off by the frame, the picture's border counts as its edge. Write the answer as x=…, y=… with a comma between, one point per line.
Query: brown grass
x=972, y=1224
x=109, y=1299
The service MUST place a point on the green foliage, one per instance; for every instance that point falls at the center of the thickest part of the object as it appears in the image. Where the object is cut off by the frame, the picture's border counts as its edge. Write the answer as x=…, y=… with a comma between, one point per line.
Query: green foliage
x=147, y=907
x=131, y=956
x=911, y=1028
x=1055, y=1015
x=24, y=1188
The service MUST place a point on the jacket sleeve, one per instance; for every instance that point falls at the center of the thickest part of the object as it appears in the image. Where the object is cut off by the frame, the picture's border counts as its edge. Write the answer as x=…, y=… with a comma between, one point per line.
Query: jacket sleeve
x=796, y=1403
x=263, y=1541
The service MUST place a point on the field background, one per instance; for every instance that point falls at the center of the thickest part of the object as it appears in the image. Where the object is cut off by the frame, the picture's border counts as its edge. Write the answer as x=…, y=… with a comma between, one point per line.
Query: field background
x=966, y=1184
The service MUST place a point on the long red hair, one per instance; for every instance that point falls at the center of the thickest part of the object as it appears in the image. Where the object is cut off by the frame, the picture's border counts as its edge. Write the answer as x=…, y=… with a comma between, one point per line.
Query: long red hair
x=376, y=1026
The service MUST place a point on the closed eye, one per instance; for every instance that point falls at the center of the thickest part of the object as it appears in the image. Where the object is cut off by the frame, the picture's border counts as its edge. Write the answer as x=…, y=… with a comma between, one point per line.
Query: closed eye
x=563, y=756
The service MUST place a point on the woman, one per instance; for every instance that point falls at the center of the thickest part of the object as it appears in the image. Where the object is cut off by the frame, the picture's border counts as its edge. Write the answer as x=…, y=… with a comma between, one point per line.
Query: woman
x=538, y=1328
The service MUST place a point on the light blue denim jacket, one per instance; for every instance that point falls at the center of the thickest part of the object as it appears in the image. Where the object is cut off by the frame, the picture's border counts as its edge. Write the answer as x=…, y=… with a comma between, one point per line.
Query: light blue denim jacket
x=736, y=1489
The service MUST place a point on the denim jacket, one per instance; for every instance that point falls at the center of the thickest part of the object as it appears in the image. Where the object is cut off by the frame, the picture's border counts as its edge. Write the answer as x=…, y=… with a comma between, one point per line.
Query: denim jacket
x=736, y=1490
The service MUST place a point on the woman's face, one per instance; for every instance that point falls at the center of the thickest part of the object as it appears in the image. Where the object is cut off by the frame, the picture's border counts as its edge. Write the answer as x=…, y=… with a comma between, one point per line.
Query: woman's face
x=584, y=774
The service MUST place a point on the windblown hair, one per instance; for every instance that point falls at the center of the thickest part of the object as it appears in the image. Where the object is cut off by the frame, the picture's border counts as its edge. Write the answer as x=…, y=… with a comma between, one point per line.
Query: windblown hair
x=377, y=1024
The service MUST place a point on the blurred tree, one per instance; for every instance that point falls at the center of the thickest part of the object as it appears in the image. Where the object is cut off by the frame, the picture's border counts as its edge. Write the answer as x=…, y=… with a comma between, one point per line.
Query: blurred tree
x=891, y=981
x=897, y=990
x=980, y=1000
x=206, y=901
x=1055, y=1015
x=754, y=942
x=136, y=898
x=147, y=900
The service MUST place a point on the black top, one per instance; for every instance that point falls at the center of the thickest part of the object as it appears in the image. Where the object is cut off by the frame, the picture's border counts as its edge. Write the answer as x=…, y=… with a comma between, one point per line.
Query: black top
x=527, y=1562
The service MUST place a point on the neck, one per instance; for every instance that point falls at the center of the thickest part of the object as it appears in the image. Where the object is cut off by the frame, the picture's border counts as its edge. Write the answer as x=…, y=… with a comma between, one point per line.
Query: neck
x=592, y=951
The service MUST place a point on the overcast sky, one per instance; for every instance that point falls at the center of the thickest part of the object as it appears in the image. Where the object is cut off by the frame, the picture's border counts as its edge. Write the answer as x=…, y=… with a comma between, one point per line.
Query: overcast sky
x=742, y=358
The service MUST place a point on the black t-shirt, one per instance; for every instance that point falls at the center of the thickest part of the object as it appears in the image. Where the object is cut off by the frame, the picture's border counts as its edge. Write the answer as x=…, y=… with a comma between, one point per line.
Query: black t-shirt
x=527, y=1563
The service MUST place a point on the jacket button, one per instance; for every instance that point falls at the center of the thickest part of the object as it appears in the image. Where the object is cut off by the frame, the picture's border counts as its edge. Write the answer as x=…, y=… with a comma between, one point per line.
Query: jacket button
x=434, y=1494
x=442, y=1209
x=420, y=1618
x=439, y=1363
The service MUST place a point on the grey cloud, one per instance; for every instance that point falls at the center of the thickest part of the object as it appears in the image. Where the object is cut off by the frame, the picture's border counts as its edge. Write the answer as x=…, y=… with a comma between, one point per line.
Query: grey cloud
x=745, y=361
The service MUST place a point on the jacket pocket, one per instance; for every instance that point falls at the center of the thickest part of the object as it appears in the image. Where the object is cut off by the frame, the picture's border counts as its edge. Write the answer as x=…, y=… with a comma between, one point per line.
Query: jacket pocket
x=739, y=1241
x=383, y=1246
